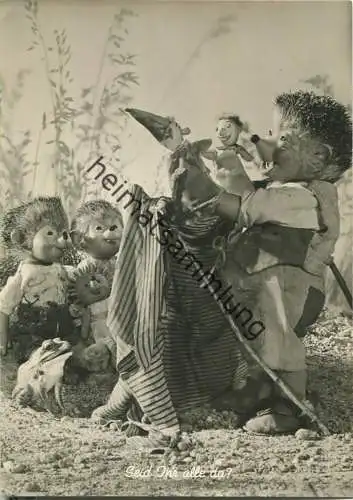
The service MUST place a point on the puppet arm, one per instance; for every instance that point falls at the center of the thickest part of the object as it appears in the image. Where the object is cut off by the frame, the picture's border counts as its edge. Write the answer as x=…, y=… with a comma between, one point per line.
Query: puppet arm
x=86, y=323
x=287, y=205
x=10, y=297
x=136, y=201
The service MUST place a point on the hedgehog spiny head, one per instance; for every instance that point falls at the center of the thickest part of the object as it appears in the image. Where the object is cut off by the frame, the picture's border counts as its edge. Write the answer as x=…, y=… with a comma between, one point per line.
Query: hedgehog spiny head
x=22, y=227
x=97, y=229
x=320, y=136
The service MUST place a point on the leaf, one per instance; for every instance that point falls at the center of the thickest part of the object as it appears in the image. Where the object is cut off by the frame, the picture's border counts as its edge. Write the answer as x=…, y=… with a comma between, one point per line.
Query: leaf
x=63, y=148
x=44, y=121
x=86, y=91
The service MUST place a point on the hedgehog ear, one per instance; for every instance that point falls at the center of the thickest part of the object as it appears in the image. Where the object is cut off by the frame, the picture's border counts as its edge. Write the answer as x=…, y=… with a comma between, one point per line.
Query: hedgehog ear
x=18, y=237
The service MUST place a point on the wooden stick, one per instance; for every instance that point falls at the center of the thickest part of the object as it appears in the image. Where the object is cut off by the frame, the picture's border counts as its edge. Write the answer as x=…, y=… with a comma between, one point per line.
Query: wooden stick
x=340, y=280
x=277, y=380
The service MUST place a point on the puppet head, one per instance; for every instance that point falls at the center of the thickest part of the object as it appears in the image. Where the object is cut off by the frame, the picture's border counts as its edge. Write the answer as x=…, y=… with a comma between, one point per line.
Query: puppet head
x=311, y=138
x=39, y=228
x=228, y=129
x=90, y=283
x=97, y=229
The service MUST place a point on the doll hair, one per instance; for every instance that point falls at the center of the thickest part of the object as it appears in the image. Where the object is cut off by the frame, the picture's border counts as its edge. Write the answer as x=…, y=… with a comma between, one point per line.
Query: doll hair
x=232, y=118
x=88, y=268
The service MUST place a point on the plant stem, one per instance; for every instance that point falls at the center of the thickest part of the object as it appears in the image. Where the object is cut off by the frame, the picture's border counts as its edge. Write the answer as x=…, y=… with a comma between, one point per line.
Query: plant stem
x=36, y=160
x=47, y=70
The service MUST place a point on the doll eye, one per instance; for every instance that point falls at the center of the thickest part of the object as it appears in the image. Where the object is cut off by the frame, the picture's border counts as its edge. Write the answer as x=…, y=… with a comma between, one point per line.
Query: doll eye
x=98, y=228
x=50, y=233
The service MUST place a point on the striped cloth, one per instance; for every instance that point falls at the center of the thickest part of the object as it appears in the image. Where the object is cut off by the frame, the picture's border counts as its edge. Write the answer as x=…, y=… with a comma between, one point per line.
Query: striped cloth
x=175, y=349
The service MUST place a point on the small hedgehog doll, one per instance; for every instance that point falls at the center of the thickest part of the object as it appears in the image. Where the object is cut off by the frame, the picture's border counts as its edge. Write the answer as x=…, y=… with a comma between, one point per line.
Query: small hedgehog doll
x=90, y=286
x=37, y=292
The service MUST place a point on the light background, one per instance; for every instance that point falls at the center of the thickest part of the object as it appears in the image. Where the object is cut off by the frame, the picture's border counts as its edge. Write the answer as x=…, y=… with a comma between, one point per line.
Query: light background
x=272, y=46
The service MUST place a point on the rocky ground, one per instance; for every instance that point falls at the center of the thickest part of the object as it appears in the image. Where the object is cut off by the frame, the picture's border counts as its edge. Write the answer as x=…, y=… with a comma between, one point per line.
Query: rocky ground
x=41, y=454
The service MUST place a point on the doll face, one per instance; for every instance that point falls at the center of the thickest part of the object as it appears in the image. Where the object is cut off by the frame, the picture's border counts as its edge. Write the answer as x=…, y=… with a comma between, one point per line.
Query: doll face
x=227, y=132
x=48, y=244
x=297, y=155
x=91, y=288
x=103, y=237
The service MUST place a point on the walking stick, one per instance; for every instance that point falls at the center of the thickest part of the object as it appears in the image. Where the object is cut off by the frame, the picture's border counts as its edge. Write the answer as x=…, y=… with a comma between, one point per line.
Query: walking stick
x=277, y=379
x=340, y=280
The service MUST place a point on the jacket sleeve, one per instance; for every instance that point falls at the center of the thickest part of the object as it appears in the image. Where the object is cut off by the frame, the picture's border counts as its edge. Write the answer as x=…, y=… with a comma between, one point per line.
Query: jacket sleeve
x=323, y=243
x=289, y=205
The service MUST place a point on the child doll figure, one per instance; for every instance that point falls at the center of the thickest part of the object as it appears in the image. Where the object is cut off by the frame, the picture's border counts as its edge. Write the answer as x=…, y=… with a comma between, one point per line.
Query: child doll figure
x=37, y=293
x=90, y=288
x=96, y=230
x=229, y=157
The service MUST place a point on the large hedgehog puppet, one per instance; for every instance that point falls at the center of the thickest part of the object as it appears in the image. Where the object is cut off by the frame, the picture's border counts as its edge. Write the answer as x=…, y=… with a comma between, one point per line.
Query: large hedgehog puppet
x=327, y=152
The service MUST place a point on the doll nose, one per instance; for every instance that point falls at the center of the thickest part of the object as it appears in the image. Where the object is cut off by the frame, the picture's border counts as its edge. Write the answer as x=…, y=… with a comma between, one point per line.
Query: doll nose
x=64, y=240
x=264, y=147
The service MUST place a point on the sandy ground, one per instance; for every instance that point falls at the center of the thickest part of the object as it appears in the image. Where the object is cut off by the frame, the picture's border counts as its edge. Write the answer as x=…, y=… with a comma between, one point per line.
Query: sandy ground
x=41, y=454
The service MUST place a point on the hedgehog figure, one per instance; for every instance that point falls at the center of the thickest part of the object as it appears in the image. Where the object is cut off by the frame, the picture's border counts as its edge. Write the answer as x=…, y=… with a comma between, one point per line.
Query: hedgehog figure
x=291, y=230
x=96, y=230
x=37, y=292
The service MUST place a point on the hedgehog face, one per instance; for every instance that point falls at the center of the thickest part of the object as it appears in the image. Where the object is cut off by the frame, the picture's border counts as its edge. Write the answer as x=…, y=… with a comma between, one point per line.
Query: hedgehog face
x=103, y=237
x=91, y=287
x=227, y=132
x=297, y=155
x=48, y=244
